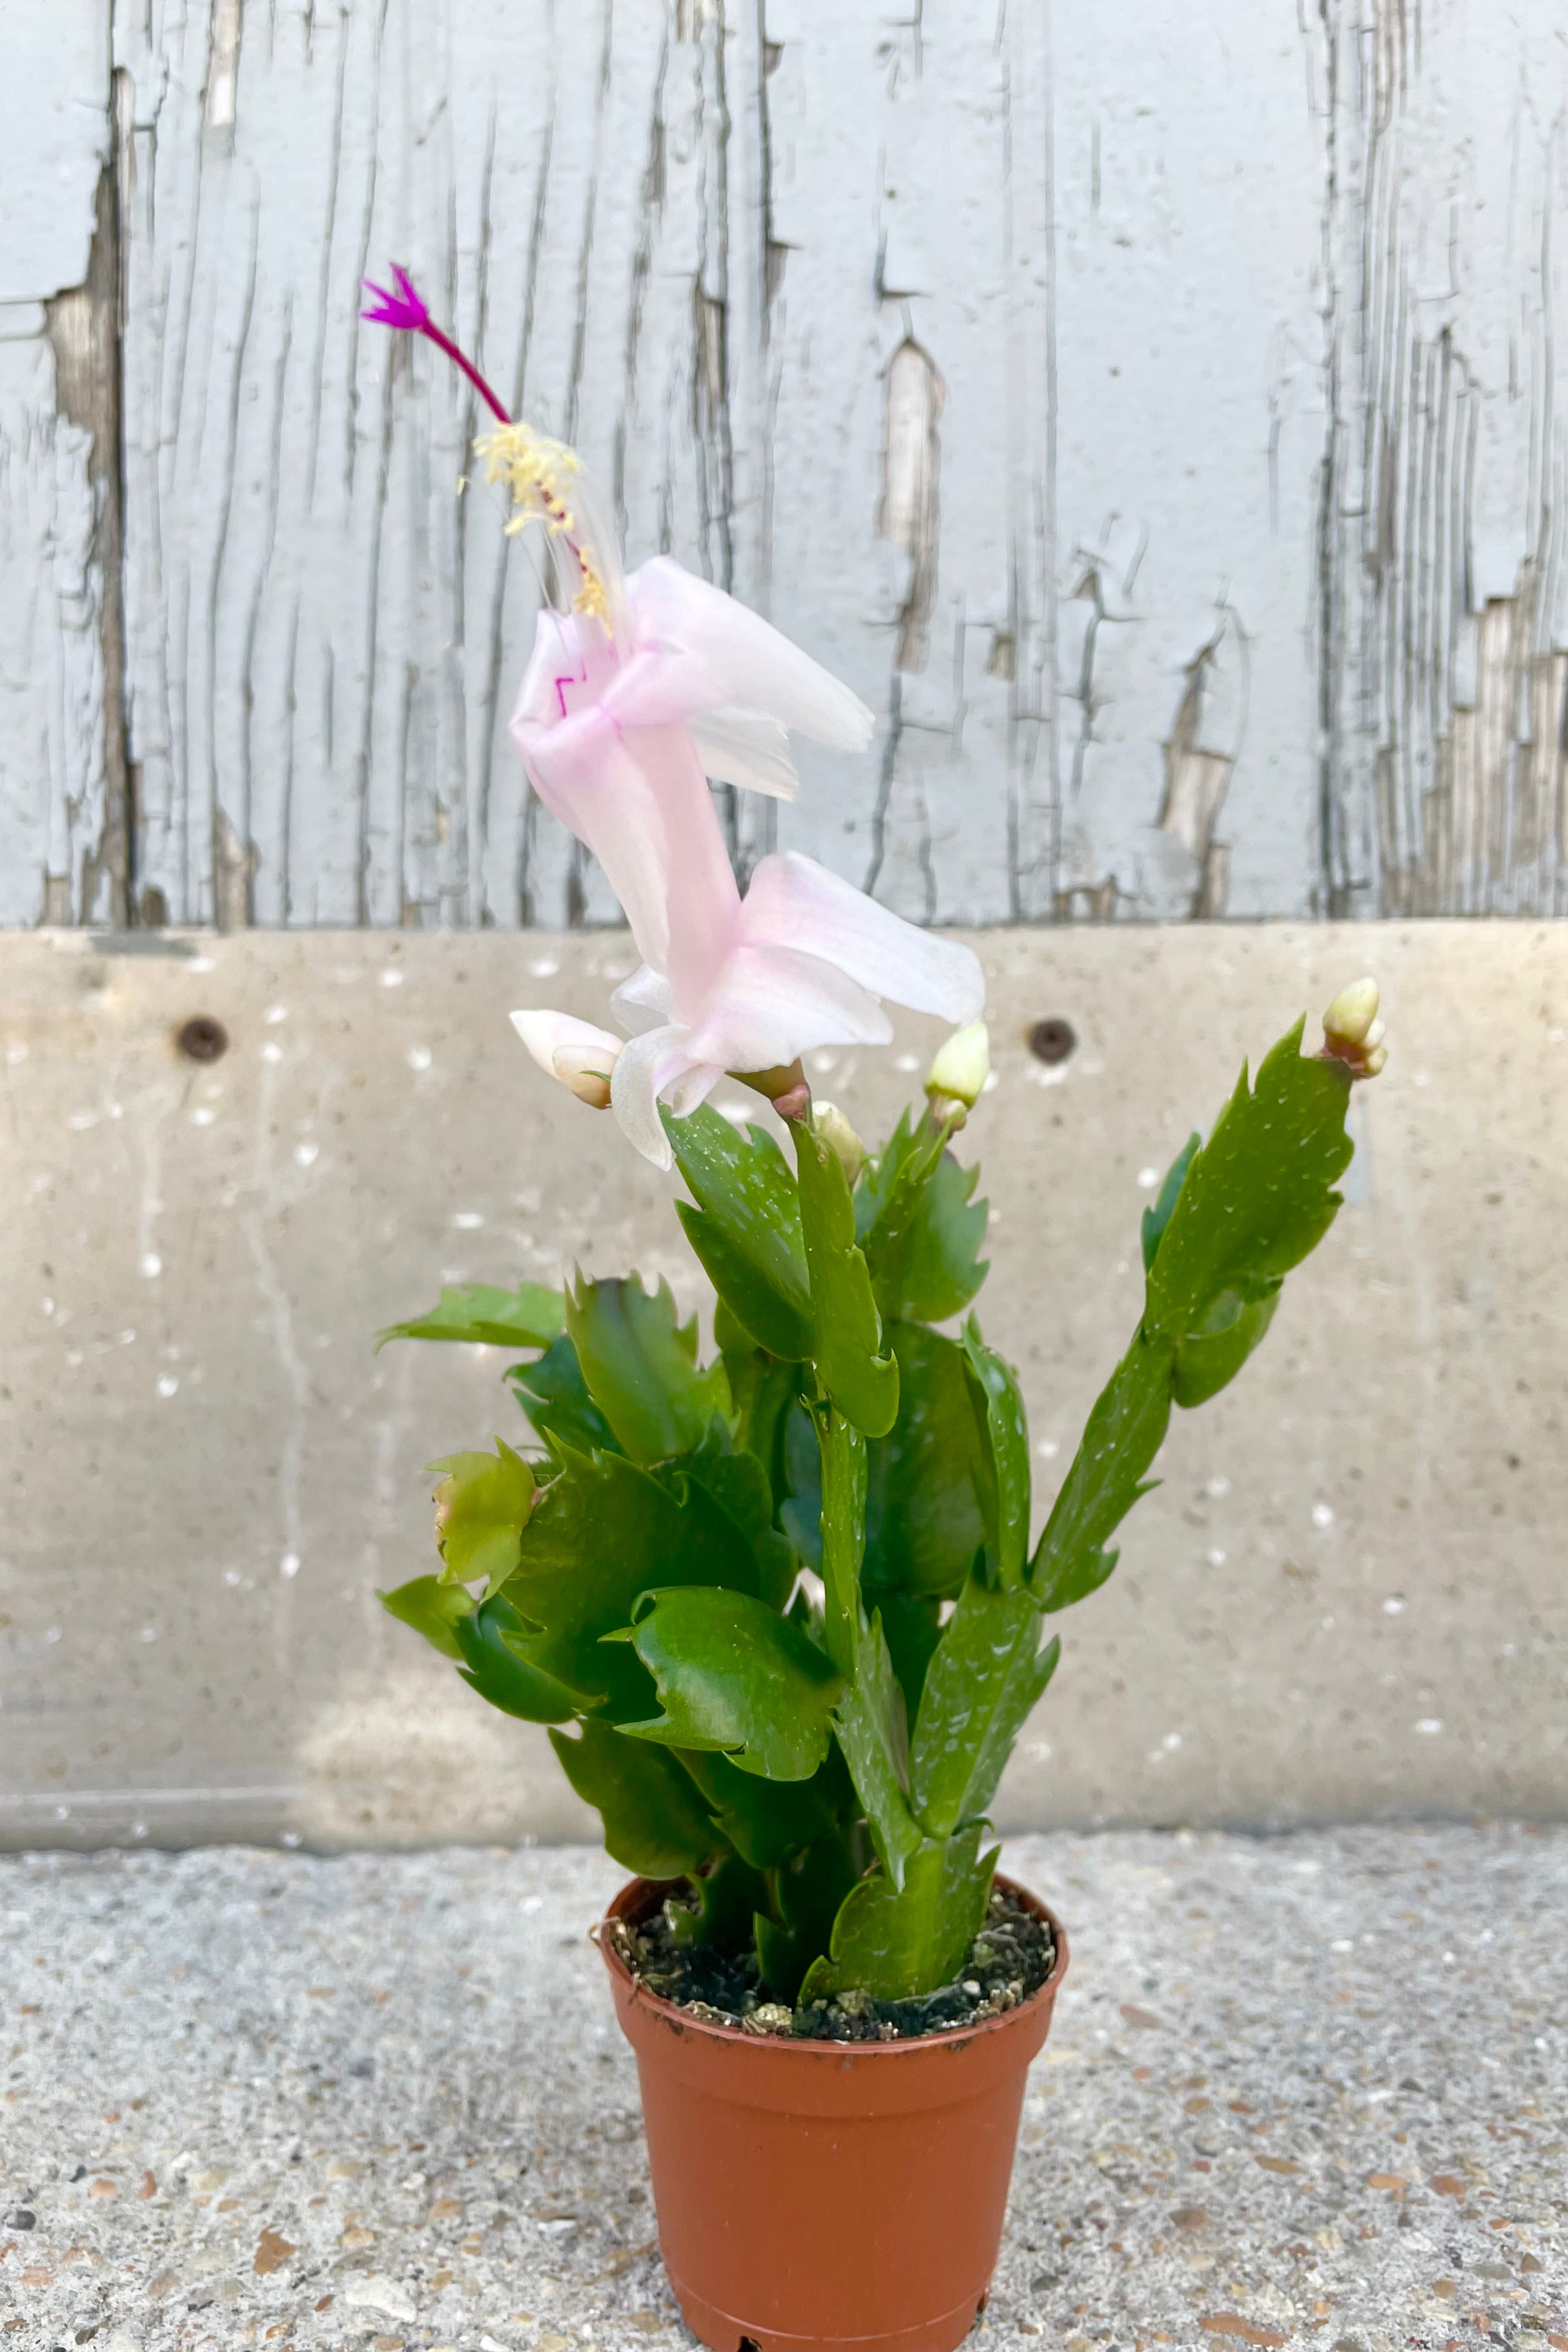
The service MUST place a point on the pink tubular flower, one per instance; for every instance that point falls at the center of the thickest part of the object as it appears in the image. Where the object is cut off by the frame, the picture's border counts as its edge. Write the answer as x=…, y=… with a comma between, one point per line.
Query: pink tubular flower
x=634, y=698
x=619, y=735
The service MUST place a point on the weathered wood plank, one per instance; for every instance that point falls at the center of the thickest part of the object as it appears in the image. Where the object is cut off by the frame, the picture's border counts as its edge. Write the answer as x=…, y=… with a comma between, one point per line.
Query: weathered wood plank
x=1162, y=430
x=1445, y=658
x=62, y=798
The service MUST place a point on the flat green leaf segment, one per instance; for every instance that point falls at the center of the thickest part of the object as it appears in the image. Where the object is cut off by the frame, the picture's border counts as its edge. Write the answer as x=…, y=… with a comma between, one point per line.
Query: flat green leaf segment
x=806, y=1896
x=987, y=1674
x=822, y=1771
x=918, y=1226
x=432, y=1607
x=655, y=1821
x=496, y=1664
x=1231, y=1219
x=927, y=1478
x=733, y=1675
x=605, y=1530
x=1004, y=1478
x=766, y=1822
x=893, y=1943
x=638, y=1364
x=871, y=1722
x=1258, y=1196
x=862, y=1381
x=528, y=1317
x=1158, y=1215
x=554, y=1395
x=1125, y=1431
x=745, y=1227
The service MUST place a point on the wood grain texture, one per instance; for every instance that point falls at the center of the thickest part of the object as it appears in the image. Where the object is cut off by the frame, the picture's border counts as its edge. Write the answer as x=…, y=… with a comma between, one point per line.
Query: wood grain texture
x=51, y=685
x=1159, y=425
x=1445, y=624
x=62, y=803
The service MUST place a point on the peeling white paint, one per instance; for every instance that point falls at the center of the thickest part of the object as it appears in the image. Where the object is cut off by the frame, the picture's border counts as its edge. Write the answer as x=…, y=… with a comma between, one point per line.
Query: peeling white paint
x=52, y=781
x=54, y=140
x=1159, y=425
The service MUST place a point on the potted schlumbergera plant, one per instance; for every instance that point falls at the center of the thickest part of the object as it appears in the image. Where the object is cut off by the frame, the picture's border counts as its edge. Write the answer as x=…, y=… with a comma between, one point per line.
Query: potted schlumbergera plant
x=780, y=1603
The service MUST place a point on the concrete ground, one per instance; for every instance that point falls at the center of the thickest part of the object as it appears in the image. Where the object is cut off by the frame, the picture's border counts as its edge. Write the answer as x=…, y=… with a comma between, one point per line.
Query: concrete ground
x=1306, y=2090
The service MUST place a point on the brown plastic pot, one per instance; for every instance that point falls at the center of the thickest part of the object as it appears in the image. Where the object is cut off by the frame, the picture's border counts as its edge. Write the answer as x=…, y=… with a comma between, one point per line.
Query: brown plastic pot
x=815, y=2195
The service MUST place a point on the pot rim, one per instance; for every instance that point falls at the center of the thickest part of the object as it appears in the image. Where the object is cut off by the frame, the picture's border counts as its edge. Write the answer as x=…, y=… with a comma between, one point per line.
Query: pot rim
x=639, y=1895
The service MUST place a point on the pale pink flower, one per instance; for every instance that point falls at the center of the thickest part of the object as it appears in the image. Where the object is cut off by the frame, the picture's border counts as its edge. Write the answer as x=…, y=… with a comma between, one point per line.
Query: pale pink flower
x=635, y=696
x=619, y=733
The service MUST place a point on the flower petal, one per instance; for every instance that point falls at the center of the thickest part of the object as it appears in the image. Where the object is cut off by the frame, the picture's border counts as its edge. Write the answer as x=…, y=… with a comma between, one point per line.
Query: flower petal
x=745, y=748
x=558, y=653
x=716, y=652
x=590, y=779
x=644, y=1069
x=635, y=795
x=774, y=1002
x=644, y=1001
x=794, y=902
x=693, y=1087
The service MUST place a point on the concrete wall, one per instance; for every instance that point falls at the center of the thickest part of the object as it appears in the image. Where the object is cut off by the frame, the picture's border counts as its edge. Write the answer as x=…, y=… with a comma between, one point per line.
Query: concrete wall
x=1347, y=1598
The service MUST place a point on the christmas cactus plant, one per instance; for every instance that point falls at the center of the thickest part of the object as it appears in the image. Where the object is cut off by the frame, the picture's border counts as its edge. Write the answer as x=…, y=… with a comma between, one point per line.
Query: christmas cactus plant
x=779, y=1600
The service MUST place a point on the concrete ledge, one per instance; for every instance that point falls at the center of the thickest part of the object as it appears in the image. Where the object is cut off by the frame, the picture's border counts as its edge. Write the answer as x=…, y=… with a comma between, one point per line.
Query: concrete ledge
x=1347, y=1598
x=1301, y=2092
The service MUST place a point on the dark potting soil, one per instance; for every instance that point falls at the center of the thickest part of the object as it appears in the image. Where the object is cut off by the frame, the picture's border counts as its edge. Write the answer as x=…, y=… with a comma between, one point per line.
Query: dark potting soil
x=1010, y=1958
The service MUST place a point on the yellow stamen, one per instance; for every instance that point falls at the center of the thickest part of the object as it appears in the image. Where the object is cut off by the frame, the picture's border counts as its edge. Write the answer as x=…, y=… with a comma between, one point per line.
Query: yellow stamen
x=538, y=473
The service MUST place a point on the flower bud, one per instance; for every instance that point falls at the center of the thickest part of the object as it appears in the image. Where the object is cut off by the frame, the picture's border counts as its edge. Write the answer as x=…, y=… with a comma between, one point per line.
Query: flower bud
x=575, y=1052
x=1352, y=1013
x=1352, y=1033
x=962, y=1066
x=840, y=1137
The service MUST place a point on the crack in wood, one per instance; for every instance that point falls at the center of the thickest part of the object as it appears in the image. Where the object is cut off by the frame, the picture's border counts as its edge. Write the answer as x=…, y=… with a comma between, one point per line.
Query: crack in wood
x=1197, y=772
x=908, y=512
x=87, y=874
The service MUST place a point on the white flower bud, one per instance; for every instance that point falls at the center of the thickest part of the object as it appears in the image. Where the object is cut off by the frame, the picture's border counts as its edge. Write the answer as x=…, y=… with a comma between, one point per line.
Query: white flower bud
x=839, y=1137
x=962, y=1065
x=1352, y=1013
x=575, y=1052
x=1352, y=1033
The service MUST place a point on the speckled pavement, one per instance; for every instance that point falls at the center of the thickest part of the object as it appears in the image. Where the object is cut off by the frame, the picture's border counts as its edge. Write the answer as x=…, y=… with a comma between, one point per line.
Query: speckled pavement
x=1305, y=2090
